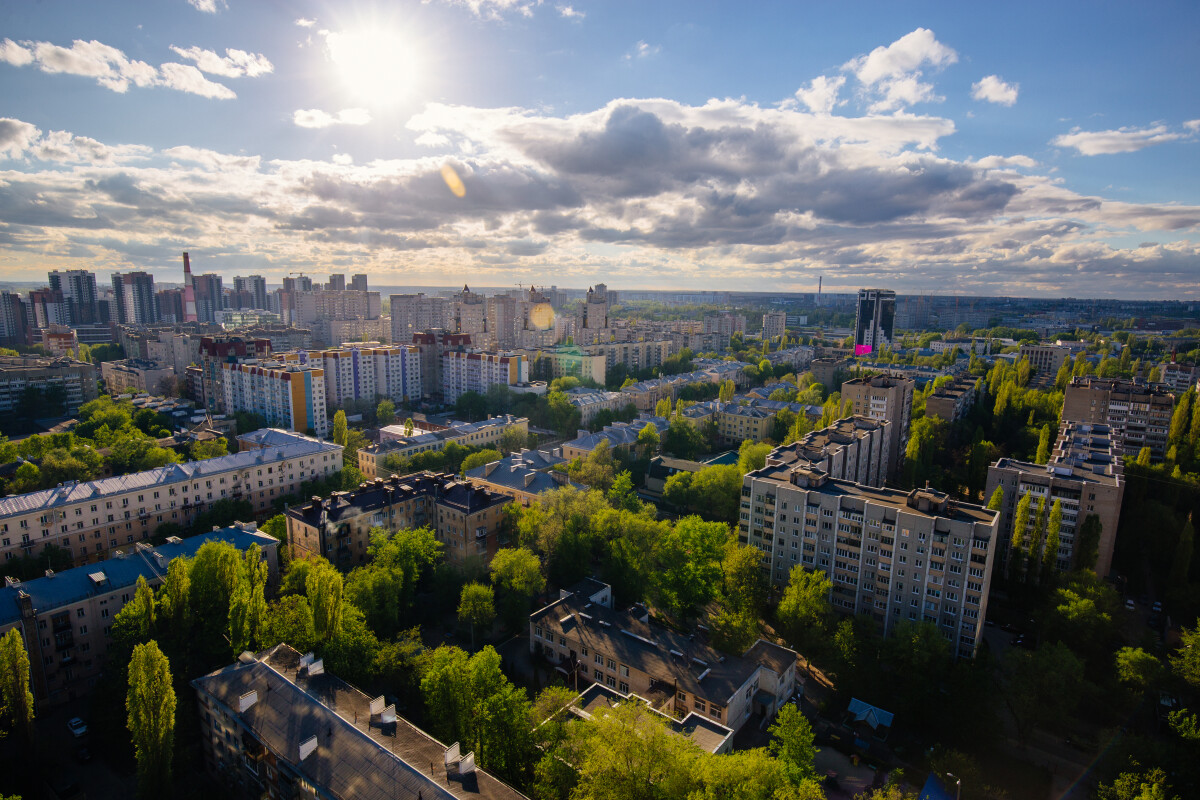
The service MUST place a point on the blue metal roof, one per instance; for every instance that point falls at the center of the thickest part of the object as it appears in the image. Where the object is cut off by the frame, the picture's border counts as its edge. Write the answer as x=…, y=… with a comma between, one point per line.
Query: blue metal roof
x=78, y=583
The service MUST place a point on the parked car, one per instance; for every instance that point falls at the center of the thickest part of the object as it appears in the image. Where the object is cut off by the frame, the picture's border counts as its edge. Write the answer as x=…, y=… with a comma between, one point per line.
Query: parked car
x=1157, y=607
x=1129, y=604
x=77, y=727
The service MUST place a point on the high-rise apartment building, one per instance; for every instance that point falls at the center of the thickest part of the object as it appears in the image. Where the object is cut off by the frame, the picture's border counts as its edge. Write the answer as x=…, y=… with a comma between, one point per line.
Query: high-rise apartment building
x=852, y=449
x=90, y=519
x=60, y=379
x=134, y=293
x=302, y=283
x=337, y=283
x=470, y=313
x=78, y=287
x=1138, y=414
x=286, y=395
x=171, y=305
x=255, y=287
x=417, y=313
x=474, y=372
x=189, y=291
x=14, y=319
x=48, y=308
x=915, y=556
x=502, y=316
x=210, y=296
x=874, y=321
x=365, y=372
x=217, y=351
x=774, y=325
x=884, y=397
x=358, y=282
x=1085, y=474
x=593, y=317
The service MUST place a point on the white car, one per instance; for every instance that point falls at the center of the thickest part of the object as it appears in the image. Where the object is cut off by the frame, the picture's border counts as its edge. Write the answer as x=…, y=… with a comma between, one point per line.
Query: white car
x=77, y=727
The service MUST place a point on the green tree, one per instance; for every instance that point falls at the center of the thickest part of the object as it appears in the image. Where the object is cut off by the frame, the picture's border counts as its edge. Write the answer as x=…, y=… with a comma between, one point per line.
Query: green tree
x=209, y=449
x=1137, y=668
x=513, y=440
x=27, y=478
x=1020, y=534
x=717, y=492
x=804, y=608
x=408, y=427
x=1053, y=539
x=16, y=701
x=1143, y=458
x=1087, y=543
x=622, y=493
x=385, y=413
x=173, y=596
x=517, y=573
x=1043, y=448
x=597, y=470
x=1042, y=686
x=727, y=391
x=648, y=440
x=248, y=605
x=290, y=620
x=682, y=439
x=476, y=606
x=792, y=743
x=1181, y=419
x=1185, y=662
x=752, y=456
x=678, y=490
x=324, y=587
x=340, y=427
x=997, y=500
x=733, y=629
x=476, y=460
x=140, y=611
x=1181, y=564
x=662, y=408
x=743, y=584
x=150, y=704
x=1148, y=785
x=688, y=563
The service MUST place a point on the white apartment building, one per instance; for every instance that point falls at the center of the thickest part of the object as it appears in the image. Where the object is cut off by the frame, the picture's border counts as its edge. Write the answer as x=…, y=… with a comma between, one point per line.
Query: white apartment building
x=91, y=519
x=416, y=313
x=897, y=556
x=367, y=372
x=286, y=395
x=591, y=402
x=464, y=372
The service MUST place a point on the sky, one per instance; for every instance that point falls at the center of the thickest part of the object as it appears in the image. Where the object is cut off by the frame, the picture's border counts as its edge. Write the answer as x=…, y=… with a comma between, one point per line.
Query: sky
x=1030, y=149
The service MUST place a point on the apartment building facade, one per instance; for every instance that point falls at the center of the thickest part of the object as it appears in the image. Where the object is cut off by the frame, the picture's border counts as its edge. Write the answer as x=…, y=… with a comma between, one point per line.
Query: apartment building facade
x=89, y=520
x=774, y=325
x=1046, y=359
x=888, y=398
x=74, y=380
x=1139, y=415
x=894, y=555
x=953, y=401
x=852, y=449
x=567, y=361
x=286, y=395
x=137, y=375
x=465, y=371
x=677, y=673
x=66, y=617
x=465, y=518
x=366, y=372
x=417, y=313
x=591, y=402
x=1085, y=474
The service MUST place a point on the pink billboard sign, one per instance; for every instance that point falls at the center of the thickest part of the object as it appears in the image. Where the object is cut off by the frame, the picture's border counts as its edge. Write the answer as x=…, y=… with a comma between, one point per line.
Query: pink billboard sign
x=862, y=349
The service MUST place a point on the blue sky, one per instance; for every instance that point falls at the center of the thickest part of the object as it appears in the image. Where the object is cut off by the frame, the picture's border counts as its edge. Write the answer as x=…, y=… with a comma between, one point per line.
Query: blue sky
x=1017, y=148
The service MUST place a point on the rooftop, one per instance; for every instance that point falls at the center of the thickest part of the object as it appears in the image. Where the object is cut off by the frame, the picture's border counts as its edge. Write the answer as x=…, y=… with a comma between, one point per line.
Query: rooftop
x=446, y=489
x=710, y=735
x=71, y=585
x=75, y=492
x=512, y=472
x=351, y=758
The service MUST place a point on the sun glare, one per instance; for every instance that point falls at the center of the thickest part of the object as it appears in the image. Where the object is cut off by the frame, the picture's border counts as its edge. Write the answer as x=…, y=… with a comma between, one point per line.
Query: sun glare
x=376, y=66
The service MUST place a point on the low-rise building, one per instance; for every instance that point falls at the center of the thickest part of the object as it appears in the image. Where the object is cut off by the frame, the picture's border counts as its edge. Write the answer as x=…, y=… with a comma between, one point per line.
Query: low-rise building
x=662, y=468
x=522, y=476
x=1085, y=474
x=465, y=518
x=894, y=555
x=137, y=375
x=277, y=725
x=90, y=519
x=678, y=673
x=567, y=361
x=618, y=436
x=953, y=401
x=66, y=617
x=60, y=340
x=1046, y=358
x=591, y=402
x=425, y=436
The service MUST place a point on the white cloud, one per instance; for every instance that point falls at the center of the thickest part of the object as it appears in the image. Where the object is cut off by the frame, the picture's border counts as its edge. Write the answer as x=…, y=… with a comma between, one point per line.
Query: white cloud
x=342, y=159
x=306, y=23
x=213, y=160
x=1002, y=162
x=15, y=54
x=643, y=50
x=16, y=137
x=207, y=6
x=234, y=64
x=316, y=118
x=822, y=94
x=898, y=93
x=1192, y=125
x=113, y=70
x=494, y=9
x=570, y=13
x=904, y=56
x=994, y=90
x=187, y=78
x=1122, y=140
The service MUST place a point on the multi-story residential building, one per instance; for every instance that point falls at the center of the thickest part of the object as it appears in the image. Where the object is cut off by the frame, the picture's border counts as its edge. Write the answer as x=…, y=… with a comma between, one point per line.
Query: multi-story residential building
x=467, y=371
x=337, y=304
x=502, y=319
x=337, y=283
x=427, y=436
x=210, y=296
x=74, y=381
x=217, y=351
x=884, y=397
x=1179, y=377
x=1085, y=473
x=874, y=321
x=78, y=287
x=134, y=293
x=567, y=361
x=137, y=375
x=90, y=519
x=953, y=401
x=171, y=305
x=634, y=355
x=286, y=395
x=591, y=402
x=618, y=436
x=1139, y=415
x=1046, y=359
x=60, y=340
x=276, y=724
x=433, y=345
x=678, y=673
x=466, y=519
x=66, y=617
x=522, y=476
x=469, y=314
x=417, y=313
x=851, y=449
x=891, y=554
x=719, y=326
x=47, y=308
x=358, y=282
x=255, y=286
x=14, y=319
x=774, y=325
x=282, y=338
x=366, y=372
x=829, y=371
x=593, y=315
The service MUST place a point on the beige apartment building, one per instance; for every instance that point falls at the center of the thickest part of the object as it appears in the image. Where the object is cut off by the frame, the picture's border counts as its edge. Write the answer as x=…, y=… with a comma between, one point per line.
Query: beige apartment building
x=1138, y=414
x=679, y=674
x=425, y=437
x=76, y=379
x=1085, y=473
x=953, y=401
x=1047, y=359
x=884, y=397
x=465, y=518
x=89, y=520
x=851, y=449
x=66, y=617
x=894, y=555
x=137, y=375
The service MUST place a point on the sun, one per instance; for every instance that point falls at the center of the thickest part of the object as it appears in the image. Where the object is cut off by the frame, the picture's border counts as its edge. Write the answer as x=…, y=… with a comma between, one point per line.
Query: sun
x=377, y=66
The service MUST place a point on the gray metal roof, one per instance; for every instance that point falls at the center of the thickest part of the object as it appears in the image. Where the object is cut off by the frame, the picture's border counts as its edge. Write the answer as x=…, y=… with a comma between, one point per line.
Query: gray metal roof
x=74, y=492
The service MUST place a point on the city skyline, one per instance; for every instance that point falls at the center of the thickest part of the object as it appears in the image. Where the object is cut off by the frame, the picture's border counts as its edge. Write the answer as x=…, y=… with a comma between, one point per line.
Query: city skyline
x=1041, y=153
